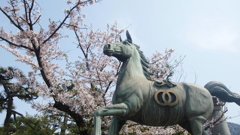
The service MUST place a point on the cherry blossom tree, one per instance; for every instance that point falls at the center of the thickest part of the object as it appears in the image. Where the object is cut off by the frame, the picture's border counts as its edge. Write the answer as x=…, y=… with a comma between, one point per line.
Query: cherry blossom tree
x=76, y=87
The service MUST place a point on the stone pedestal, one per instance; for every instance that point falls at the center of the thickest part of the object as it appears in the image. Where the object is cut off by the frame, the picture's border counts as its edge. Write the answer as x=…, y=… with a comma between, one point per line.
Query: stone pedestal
x=221, y=128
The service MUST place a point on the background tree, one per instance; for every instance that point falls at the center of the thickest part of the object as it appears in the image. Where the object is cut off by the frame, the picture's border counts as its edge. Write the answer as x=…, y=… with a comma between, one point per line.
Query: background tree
x=82, y=85
x=15, y=85
x=30, y=125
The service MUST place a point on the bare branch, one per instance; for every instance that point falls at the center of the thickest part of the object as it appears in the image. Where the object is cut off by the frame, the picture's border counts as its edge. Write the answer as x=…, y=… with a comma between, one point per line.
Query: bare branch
x=15, y=112
x=36, y=20
x=63, y=21
x=29, y=15
x=218, y=120
x=106, y=90
x=11, y=20
x=79, y=44
x=25, y=9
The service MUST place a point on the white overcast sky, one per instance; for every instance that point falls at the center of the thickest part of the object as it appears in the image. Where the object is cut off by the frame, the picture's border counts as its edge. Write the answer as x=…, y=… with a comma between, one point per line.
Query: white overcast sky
x=207, y=32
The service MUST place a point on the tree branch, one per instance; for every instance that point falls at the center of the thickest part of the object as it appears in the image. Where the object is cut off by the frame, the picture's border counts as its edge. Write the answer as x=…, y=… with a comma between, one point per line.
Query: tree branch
x=29, y=14
x=36, y=20
x=26, y=13
x=11, y=20
x=77, y=117
x=79, y=44
x=16, y=45
x=217, y=121
x=15, y=112
x=60, y=25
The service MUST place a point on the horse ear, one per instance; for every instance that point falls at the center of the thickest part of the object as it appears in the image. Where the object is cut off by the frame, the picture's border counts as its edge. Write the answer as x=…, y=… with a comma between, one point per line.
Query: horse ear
x=120, y=39
x=128, y=36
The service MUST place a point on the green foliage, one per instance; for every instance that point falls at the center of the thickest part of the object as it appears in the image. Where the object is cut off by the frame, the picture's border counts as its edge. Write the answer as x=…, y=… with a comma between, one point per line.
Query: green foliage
x=15, y=85
x=65, y=125
x=29, y=126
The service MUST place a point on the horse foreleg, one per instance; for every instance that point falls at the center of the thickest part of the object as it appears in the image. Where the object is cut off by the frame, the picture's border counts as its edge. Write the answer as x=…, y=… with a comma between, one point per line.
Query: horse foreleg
x=113, y=110
x=116, y=125
x=97, y=125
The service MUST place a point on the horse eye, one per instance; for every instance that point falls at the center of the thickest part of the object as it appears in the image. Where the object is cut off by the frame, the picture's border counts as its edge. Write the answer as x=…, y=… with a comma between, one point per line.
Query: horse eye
x=126, y=43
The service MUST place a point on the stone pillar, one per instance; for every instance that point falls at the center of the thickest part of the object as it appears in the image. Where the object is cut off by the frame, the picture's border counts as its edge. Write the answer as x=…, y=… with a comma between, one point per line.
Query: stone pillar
x=221, y=128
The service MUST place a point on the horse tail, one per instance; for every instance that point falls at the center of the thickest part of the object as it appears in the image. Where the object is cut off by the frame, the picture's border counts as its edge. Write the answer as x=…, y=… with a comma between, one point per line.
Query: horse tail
x=222, y=92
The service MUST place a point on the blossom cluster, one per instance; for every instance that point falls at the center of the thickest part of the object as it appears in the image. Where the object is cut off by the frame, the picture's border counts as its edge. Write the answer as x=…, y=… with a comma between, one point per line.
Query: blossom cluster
x=134, y=128
x=160, y=64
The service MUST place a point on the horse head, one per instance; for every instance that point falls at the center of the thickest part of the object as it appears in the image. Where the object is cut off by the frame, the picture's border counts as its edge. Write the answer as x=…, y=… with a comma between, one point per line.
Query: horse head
x=121, y=50
x=130, y=54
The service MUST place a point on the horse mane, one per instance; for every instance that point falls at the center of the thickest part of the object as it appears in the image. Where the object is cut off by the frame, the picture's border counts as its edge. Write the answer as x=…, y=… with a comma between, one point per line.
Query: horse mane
x=145, y=64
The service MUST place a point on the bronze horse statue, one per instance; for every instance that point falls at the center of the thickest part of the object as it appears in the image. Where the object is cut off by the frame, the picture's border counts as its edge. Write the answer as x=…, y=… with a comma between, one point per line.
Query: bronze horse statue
x=148, y=102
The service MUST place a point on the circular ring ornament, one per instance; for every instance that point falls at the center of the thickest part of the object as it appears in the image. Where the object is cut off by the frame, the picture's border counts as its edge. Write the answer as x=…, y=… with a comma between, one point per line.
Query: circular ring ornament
x=166, y=97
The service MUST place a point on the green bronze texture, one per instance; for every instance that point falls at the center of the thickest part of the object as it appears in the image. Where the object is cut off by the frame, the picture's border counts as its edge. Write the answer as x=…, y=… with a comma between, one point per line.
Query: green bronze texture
x=156, y=103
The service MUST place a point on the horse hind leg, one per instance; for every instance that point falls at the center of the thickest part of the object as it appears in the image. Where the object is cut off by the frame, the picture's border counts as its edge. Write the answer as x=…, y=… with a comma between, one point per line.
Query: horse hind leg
x=196, y=125
x=113, y=110
x=187, y=126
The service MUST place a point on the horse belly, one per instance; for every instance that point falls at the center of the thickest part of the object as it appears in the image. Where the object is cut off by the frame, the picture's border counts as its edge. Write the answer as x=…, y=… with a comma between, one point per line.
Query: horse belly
x=156, y=115
x=153, y=114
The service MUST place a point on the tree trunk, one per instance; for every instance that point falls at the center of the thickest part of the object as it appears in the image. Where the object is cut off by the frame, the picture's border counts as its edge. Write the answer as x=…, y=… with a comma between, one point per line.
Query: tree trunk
x=9, y=112
x=77, y=117
x=63, y=127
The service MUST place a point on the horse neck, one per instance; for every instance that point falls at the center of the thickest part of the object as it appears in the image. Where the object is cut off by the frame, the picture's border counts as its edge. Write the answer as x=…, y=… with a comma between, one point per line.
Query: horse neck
x=131, y=68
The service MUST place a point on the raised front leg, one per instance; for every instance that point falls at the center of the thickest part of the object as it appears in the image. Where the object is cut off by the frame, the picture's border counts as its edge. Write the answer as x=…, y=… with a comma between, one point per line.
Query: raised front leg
x=113, y=110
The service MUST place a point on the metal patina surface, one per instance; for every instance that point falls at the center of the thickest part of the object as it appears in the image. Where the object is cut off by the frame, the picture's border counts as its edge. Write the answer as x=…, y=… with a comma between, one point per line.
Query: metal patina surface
x=140, y=99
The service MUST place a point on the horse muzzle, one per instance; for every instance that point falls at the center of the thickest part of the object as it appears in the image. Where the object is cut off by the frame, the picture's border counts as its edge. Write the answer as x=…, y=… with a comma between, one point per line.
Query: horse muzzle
x=108, y=50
